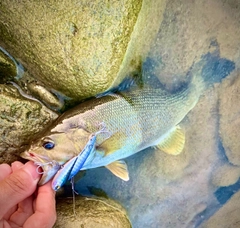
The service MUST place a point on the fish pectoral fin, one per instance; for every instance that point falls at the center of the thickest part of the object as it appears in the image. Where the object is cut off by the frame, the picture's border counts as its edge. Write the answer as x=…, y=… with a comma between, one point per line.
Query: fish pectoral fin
x=173, y=143
x=114, y=143
x=119, y=169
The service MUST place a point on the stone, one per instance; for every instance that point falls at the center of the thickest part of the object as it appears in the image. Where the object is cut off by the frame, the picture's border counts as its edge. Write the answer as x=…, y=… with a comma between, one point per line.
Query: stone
x=74, y=47
x=53, y=101
x=91, y=213
x=21, y=120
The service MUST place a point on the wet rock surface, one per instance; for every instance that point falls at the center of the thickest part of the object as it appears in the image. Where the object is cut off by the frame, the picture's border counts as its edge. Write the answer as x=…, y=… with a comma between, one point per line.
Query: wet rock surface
x=91, y=213
x=21, y=120
x=226, y=175
x=7, y=67
x=71, y=46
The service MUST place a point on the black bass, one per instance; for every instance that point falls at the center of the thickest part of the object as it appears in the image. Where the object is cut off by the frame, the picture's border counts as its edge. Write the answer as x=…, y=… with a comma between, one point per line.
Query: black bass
x=134, y=119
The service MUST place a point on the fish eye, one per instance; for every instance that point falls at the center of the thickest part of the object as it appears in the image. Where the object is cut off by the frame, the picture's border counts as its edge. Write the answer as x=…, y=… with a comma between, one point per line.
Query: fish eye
x=48, y=145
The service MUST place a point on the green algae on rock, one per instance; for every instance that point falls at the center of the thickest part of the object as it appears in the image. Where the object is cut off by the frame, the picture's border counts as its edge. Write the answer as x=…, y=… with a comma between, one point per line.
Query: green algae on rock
x=71, y=46
x=20, y=120
x=149, y=19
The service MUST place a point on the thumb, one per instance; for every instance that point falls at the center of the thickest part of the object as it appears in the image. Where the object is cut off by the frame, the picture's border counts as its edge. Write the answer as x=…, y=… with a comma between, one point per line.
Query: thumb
x=17, y=186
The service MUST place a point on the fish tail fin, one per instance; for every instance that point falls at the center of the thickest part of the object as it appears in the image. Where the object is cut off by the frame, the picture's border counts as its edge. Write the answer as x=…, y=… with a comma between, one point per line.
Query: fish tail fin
x=211, y=69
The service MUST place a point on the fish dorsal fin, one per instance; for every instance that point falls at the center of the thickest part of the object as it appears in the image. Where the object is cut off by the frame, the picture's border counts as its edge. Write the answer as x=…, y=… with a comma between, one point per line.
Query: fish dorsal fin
x=174, y=142
x=128, y=83
x=119, y=169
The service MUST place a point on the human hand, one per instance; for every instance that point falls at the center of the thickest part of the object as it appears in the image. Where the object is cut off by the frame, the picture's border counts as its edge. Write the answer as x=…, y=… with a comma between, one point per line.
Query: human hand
x=19, y=206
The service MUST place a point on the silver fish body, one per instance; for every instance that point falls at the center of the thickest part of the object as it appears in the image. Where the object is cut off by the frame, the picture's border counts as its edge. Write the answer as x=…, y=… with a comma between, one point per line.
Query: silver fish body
x=134, y=121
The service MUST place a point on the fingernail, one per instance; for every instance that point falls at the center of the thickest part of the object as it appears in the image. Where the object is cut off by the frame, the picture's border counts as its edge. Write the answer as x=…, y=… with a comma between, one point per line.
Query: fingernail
x=16, y=165
x=32, y=170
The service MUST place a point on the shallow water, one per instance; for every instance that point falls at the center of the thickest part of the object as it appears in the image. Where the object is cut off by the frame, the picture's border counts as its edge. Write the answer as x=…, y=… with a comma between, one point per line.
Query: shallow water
x=175, y=191
x=199, y=187
x=195, y=187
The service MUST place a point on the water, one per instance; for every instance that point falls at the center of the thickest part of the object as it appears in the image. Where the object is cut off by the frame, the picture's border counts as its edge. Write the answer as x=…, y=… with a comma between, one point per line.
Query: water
x=193, y=188
x=199, y=187
x=167, y=191
x=185, y=190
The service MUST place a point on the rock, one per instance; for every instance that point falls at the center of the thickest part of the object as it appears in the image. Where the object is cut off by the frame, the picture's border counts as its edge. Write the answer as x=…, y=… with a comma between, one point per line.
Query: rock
x=229, y=109
x=227, y=216
x=226, y=175
x=71, y=46
x=53, y=101
x=95, y=44
x=149, y=18
x=21, y=120
x=91, y=213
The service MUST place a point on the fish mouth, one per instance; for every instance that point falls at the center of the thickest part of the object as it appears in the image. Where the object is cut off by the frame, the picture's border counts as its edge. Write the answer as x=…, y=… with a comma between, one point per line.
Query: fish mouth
x=44, y=165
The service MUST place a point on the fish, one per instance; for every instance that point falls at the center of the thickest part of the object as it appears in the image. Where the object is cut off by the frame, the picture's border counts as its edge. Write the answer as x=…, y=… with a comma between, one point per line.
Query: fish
x=139, y=116
x=72, y=167
x=48, y=168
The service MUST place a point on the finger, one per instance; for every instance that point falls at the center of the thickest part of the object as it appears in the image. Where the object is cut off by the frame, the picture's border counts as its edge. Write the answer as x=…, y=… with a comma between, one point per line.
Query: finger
x=5, y=170
x=17, y=186
x=10, y=212
x=45, y=213
x=16, y=165
x=24, y=211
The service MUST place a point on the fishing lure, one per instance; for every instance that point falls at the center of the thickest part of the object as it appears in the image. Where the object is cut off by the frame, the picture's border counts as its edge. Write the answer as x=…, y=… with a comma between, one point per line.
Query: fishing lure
x=74, y=165
x=63, y=174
